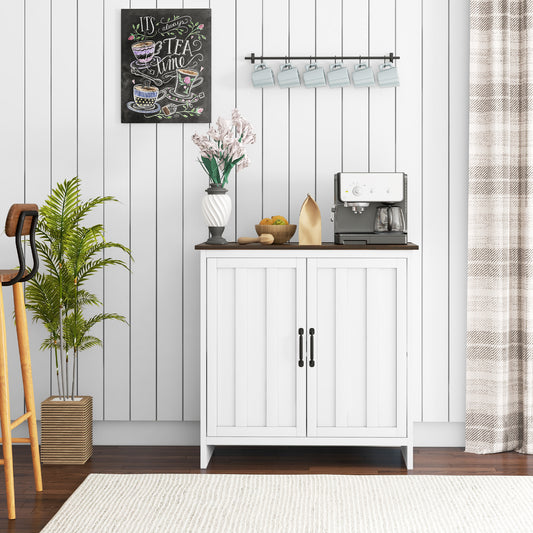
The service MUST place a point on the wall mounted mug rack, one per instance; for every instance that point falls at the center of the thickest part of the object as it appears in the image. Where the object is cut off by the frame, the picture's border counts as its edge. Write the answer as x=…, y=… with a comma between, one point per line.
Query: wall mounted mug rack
x=253, y=58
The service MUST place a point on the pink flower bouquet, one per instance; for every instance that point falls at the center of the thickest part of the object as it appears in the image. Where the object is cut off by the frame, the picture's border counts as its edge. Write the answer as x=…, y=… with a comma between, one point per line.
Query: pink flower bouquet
x=223, y=147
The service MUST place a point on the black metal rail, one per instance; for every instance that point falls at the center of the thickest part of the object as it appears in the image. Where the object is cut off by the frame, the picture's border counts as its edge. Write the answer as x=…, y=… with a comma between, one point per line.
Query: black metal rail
x=253, y=58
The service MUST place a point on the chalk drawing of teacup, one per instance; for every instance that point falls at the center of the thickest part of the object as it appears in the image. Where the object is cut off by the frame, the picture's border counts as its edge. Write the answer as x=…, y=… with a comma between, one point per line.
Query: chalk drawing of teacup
x=144, y=51
x=186, y=80
x=145, y=96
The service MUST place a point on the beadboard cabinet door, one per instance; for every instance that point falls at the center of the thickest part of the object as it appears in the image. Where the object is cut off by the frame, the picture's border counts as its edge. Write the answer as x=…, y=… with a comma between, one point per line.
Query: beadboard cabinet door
x=255, y=307
x=357, y=387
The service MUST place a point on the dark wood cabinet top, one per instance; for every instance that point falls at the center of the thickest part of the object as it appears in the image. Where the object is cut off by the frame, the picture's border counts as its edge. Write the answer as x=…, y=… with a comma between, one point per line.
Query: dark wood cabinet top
x=296, y=246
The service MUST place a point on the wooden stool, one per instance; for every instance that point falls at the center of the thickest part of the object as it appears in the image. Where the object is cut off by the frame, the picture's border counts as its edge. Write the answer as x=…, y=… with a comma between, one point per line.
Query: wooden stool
x=21, y=220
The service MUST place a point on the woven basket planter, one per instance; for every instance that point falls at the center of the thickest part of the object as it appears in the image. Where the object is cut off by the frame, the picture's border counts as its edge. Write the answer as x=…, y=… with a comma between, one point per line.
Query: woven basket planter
x=66, y=431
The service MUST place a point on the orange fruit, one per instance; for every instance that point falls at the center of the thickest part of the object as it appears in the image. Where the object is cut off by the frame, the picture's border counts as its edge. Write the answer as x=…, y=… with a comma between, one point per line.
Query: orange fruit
x=266, y=222
x=279, y=220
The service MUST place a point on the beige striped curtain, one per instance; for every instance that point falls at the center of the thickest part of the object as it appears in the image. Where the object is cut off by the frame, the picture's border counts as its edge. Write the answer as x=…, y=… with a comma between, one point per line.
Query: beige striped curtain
x=499, y=378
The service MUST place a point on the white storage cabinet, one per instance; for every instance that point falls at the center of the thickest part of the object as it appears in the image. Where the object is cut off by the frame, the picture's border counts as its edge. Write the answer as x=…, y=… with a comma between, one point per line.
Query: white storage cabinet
x=307, y=347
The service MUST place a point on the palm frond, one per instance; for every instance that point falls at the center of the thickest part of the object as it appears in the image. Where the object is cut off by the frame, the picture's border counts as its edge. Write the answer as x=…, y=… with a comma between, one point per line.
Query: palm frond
x=49, y=343
x=89, y=342
x=92, y=267
x=84, y=209
x=42, y=298
x=100, y=317
x=48, y=258
x=85, y=298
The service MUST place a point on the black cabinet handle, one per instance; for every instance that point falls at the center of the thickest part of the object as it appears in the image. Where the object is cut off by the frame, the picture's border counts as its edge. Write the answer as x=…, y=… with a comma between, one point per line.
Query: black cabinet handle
x=301, y=360
x=312, y=348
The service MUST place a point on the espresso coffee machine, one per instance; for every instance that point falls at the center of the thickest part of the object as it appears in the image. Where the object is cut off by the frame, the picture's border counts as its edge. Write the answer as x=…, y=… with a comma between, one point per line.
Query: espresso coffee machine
x=370, y=208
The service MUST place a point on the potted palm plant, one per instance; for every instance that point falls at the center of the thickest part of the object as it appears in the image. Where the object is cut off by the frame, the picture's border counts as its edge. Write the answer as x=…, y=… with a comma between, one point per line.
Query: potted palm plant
x=59, y=299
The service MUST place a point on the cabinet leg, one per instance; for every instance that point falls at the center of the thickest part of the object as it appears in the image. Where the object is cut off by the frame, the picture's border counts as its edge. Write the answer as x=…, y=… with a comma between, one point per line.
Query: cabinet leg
x=407, y=453
x=206, y=451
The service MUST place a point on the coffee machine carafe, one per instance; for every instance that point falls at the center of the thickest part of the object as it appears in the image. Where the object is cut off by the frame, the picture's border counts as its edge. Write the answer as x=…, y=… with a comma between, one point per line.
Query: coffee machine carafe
x=370, y=208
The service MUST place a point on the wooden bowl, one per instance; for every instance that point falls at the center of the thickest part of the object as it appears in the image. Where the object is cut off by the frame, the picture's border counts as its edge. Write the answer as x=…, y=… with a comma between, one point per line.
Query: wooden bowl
x=281, y=233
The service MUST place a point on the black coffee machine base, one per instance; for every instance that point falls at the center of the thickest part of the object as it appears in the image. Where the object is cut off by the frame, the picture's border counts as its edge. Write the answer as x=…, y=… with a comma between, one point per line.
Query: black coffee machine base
x=391, y=237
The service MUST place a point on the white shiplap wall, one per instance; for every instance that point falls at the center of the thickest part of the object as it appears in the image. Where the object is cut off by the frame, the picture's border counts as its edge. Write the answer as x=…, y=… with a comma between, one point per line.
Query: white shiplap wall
x=63, y=119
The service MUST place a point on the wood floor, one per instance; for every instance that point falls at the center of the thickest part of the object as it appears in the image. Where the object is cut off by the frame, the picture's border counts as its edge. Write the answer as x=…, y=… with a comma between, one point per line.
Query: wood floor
x=35, y=510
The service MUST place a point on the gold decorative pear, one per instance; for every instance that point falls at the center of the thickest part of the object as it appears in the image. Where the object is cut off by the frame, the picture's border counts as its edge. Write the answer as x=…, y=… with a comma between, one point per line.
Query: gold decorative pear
x=310, y=224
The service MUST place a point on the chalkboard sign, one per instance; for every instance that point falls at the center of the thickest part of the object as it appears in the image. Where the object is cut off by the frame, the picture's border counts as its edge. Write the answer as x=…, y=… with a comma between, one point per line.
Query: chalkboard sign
x=166, y=65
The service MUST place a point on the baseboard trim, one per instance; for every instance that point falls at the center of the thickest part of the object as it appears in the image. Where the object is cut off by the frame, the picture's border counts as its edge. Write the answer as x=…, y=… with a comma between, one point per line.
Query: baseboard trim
x=147, y=433
x=430, y=434
x=118, y=433
x=437, y=434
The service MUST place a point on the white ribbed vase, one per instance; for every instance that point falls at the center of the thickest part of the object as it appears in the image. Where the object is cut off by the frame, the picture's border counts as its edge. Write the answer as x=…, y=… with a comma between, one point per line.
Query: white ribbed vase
x=216, y=208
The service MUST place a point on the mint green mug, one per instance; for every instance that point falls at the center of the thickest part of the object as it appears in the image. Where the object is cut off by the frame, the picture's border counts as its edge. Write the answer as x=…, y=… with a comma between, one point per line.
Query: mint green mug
x=314, y=76
x=262, y=76
x=338, y=75
x=288, y=76
x=363, y=75
x=388, y=75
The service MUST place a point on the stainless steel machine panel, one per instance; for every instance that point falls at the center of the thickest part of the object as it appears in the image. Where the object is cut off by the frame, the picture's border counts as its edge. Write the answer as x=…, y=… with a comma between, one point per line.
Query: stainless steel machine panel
x=371, y=187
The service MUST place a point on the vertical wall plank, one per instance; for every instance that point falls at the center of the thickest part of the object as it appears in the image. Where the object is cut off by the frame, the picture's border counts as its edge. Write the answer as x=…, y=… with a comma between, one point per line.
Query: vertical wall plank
x=382, y=16
x=12, y=170
x=302, y=112
x=275, y=114
x=224, y=94
x=38, y=156
x=90, y=27
x=194, y=231
x=64, y=91
x=117, y=224
x=457, y=210
x=144, y=173
x=169, y=265
x=409, y=153
x=195, y=182
x=355, y=124
x=435, y=213
x=64, y=66
x=328, y=113
x=249, y=101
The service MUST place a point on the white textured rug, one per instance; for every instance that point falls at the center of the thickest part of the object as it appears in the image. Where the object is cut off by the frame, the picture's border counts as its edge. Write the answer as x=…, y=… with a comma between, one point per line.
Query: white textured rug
x=149, y=503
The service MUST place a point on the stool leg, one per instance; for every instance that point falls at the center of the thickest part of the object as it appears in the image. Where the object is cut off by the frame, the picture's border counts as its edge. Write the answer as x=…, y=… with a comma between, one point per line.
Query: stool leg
x=25, y=363
x=5, y=415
